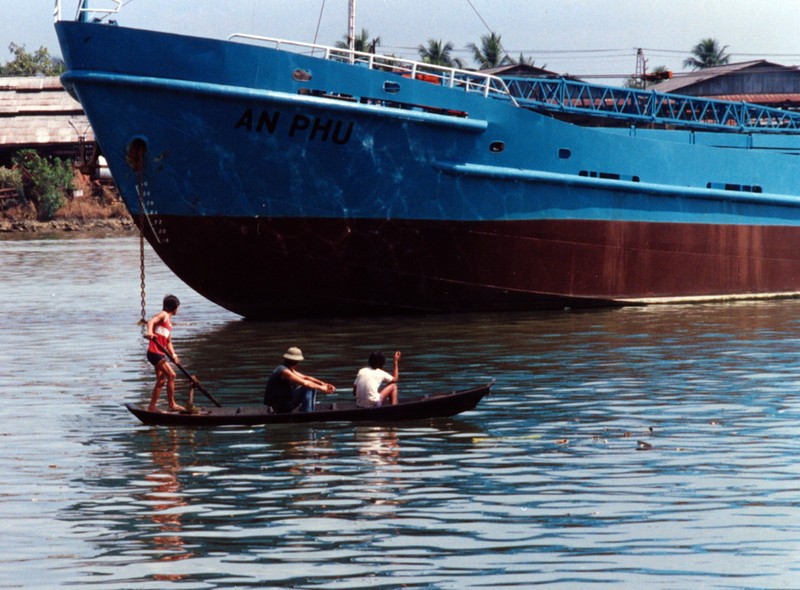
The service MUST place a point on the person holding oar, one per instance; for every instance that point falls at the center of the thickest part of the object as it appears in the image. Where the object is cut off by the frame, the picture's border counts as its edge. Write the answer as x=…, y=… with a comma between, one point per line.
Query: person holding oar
x=160, y=351
x=374, y=386
x=287, y=388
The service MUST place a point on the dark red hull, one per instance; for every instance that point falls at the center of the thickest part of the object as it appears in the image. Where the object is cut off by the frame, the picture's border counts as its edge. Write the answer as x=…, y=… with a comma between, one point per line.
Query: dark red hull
x=301, y=267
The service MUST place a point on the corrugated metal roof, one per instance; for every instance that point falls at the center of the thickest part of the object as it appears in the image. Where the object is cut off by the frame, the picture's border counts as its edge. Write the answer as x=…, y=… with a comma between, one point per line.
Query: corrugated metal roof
x=686, y=79
x=763, y=99
x=519, y=70
x=36, y=111
x=34, y=130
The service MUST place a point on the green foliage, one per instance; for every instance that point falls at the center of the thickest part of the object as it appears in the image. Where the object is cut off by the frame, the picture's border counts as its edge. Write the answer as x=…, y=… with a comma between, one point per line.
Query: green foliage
x=38, y=63
x=362, y=42
x=525, y=60
x=49, y=178
x=706, y=54
x=11, y=178
x=439, y=53
x=490, y=54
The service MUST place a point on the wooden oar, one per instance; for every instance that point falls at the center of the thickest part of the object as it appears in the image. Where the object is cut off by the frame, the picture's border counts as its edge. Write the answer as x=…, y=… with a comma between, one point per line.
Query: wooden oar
x=191, y=377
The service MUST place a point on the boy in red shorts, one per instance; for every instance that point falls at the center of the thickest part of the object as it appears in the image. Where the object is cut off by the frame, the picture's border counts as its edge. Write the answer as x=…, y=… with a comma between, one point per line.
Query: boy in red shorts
x=159, y=332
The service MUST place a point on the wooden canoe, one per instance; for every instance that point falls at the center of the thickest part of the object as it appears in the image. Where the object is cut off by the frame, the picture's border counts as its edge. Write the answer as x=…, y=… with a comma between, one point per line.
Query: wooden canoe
x=413, y=408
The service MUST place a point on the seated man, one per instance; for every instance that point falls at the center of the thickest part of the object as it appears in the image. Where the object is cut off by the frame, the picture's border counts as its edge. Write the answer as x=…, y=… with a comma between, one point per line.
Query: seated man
x=373, y=385
x=287, y=388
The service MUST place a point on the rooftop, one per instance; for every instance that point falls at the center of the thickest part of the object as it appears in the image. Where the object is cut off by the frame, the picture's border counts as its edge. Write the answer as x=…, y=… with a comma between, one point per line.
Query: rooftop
x=36, y=111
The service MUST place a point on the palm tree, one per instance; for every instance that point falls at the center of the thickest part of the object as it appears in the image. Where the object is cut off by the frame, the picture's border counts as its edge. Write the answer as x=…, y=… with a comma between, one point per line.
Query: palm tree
x=491, y=53
x=438, y=53
x=707, y=53
x=362, y=42
x=525, y=60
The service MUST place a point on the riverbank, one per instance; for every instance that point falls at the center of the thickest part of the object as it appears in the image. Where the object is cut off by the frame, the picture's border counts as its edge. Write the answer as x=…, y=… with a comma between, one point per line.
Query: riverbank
x=101, y=209
x=115, y=224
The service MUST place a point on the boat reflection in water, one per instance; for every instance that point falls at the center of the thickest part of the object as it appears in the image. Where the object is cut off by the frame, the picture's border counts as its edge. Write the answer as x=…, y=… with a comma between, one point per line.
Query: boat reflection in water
x=165, y=501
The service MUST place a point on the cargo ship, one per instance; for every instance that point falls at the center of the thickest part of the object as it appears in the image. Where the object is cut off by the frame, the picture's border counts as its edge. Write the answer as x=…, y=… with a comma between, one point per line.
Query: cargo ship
x=287, y=179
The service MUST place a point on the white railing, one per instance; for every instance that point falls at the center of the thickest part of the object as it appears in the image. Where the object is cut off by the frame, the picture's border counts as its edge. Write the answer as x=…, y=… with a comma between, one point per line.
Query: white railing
x=468, y=80
x=83, y=9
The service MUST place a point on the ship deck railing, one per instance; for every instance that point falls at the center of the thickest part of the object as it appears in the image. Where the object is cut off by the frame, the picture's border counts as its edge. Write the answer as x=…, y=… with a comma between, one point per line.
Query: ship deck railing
x=95, y=13
x=563, y=97
x=569, y=97
x=466, y=80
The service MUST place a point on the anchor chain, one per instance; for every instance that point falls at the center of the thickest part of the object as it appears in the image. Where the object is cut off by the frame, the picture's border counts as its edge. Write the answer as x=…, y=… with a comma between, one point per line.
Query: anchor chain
x=135, y=159
x=143, y=294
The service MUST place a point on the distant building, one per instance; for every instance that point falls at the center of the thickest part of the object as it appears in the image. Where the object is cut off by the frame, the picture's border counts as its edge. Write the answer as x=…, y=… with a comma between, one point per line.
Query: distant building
x=759, y=82
x=38, y=113
x=521, y=71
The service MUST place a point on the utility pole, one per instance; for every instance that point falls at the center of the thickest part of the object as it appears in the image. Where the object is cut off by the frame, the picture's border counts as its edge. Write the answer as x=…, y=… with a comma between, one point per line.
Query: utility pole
x=641, y=67
x=351, y=26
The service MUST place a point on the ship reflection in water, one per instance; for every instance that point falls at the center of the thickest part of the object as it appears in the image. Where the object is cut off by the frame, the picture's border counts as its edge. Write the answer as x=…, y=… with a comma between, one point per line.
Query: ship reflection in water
x=637, y=448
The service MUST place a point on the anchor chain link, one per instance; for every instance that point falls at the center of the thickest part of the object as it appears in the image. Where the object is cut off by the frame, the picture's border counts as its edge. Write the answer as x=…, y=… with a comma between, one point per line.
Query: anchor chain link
x=143, y=294
x=135, y=158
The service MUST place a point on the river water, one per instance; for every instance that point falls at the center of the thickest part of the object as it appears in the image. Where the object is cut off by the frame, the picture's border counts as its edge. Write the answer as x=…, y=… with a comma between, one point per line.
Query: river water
x=634, y=448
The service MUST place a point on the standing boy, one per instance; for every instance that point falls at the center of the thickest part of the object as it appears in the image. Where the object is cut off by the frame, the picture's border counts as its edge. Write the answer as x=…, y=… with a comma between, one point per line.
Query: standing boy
x=159, y=333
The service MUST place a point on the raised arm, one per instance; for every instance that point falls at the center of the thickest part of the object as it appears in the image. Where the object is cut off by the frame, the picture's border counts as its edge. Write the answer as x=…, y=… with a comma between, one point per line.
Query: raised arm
x=396, y=375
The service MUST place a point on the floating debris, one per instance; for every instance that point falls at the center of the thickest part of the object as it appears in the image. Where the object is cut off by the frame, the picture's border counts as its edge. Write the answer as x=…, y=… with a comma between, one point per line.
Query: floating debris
x=496, y=439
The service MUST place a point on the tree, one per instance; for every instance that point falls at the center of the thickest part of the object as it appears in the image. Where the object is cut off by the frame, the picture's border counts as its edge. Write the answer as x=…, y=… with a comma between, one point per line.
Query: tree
x=439, y=53
x=362, y=42
x=49, y=178
x=38, y=63
x=705, y=54
x=524, y=60
x=655, y=76
x=491, y=53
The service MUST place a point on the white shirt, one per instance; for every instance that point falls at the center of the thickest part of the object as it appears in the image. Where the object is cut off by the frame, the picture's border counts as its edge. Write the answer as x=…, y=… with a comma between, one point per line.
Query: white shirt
x=368, y=383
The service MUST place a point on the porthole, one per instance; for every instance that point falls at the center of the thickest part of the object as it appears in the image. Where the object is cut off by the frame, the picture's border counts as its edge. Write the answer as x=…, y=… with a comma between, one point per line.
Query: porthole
x=391, y=87
x=135, y=153
x=564, y=153
x=497, y=146
x=300, y=75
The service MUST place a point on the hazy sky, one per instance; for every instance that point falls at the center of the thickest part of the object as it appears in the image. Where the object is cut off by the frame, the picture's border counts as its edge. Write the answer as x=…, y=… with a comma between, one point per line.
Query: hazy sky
x=579, y=37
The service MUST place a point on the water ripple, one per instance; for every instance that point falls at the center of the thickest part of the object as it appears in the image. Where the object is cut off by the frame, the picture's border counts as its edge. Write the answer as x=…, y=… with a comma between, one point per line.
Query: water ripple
x=636, y=448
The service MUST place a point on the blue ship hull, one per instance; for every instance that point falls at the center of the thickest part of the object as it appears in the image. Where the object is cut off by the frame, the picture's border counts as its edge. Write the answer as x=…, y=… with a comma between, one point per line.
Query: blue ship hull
x=277, y=183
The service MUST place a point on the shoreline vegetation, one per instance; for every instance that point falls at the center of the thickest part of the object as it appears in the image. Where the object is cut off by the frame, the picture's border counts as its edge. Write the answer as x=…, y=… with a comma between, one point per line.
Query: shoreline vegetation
x=33, y=226
x=99, y=208
x=44, y=195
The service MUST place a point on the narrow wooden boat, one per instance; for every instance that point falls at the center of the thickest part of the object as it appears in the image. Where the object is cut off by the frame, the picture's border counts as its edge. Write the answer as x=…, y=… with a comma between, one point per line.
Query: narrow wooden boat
x=413, y=408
